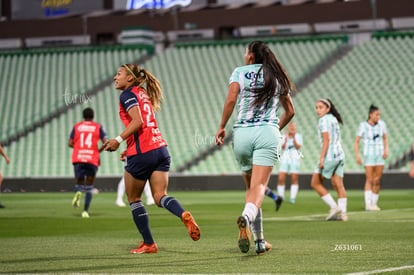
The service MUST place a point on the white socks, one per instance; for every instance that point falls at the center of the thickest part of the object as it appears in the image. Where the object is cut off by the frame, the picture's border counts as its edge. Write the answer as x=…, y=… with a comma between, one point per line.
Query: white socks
x=294, y=190
x=281, y=191
x=342, y=204
x=257, y=227
x=329, y=201
x=250, y=211
x=147, y=190
x=368, y=198
x=374, y=199
x=121, y=190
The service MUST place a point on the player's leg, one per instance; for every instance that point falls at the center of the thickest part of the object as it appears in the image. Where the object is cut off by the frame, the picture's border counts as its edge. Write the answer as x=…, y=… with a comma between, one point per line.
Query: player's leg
x=411, y=172
x=159, y=185
x=277, y=199
x=120, y=193
x=254, y=198
x=79, y=184
x=337, y=183
x=369, y=178
x=281, y=183
x=316, y=184
x=294, y=187
x=134, y=188
x=88, y=195
x=376, y=183
x=1, y=181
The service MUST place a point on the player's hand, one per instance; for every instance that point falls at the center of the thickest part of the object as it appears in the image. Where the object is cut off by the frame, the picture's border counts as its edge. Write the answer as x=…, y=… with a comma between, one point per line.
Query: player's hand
x=111, y=145
x=123, y=155
x=321, y=161
x=221, y=133
x=7, y=160
x=358, y=160
x=385, y=155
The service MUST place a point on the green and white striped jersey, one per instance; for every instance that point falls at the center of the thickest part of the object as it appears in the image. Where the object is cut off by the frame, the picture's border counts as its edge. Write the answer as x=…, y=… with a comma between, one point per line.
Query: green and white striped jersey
x=247, y=115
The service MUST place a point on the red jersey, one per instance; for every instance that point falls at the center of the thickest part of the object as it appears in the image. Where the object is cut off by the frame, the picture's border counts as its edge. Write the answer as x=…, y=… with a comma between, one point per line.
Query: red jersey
x=86, y=136
x=148, y=137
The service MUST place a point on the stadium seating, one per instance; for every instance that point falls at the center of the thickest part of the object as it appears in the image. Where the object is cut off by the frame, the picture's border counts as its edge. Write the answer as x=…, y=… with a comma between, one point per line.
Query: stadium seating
x=194, y=78
x=37, y=82
x=377, y=72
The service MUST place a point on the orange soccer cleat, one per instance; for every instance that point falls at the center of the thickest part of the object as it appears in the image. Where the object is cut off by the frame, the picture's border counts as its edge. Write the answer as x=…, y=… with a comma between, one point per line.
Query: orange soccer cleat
x=191, y=225
x=145, y=248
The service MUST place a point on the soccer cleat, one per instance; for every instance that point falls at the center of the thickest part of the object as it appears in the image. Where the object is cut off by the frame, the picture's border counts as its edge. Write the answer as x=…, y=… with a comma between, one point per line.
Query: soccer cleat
x=244, y=234
x=85, y=214
x=145, y=248
x=375, y=207
x=2, y=206
x=333, y=213
x=76, y=199
x=191, y=225
x=262, y=246
x=120, y=203
x=342, y=217
x=278, y=202
x=372, y=207
x=292, y=201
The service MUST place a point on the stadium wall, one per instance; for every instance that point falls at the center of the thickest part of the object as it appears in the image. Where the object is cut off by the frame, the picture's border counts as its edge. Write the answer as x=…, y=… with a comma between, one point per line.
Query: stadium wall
x=391, y=180
x=218, y=19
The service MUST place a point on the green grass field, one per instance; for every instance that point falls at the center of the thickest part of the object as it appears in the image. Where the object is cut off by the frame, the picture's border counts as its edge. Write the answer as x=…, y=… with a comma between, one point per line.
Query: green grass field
x=42, y=233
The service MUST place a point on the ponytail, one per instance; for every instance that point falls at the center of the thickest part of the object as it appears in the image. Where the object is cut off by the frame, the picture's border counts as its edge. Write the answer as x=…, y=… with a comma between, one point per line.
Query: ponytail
x=153, y=86
x=334, y=111
x=276, y=80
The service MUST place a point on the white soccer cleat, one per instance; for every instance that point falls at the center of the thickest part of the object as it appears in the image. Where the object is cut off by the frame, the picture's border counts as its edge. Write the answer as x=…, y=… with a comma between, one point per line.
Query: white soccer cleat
x=85, y=215
x=372, y=207
x=342, y=217
x=375, y=207
x=333, y=214
x=120, y=203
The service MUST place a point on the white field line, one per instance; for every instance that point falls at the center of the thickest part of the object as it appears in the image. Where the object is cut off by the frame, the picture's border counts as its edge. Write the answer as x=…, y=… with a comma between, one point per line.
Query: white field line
x=320, y=216
x=382, y=270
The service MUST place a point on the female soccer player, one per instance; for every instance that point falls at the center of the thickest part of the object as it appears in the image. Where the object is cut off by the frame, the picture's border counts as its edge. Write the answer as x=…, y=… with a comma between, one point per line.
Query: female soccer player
x=290, y=163
x=331, y=160
x=258, y=88
x=374, y=133
x=6, y=158
x=147, y=157
x=84, y=140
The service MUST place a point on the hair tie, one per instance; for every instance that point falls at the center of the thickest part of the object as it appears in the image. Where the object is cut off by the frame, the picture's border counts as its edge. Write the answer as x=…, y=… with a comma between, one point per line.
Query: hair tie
x=326, y=102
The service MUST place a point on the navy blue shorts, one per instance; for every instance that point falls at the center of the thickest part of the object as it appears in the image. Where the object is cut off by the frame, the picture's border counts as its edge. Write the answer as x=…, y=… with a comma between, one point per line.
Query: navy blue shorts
x=141, y=166
x=84, y=169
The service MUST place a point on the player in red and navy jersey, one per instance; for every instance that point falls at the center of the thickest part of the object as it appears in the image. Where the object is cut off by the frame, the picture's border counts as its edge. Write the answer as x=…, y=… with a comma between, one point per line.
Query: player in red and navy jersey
x=84, y=140
x=146, y=157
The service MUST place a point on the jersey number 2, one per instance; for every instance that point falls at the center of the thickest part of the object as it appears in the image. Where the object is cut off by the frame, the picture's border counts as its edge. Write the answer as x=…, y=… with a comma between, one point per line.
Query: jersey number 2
x=147, y=108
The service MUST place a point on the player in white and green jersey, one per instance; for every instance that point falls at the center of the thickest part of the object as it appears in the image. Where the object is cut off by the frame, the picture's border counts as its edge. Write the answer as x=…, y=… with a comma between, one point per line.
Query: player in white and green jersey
x=374, y=134
x=258, y=89
x=290, y=163
x=331, y=160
